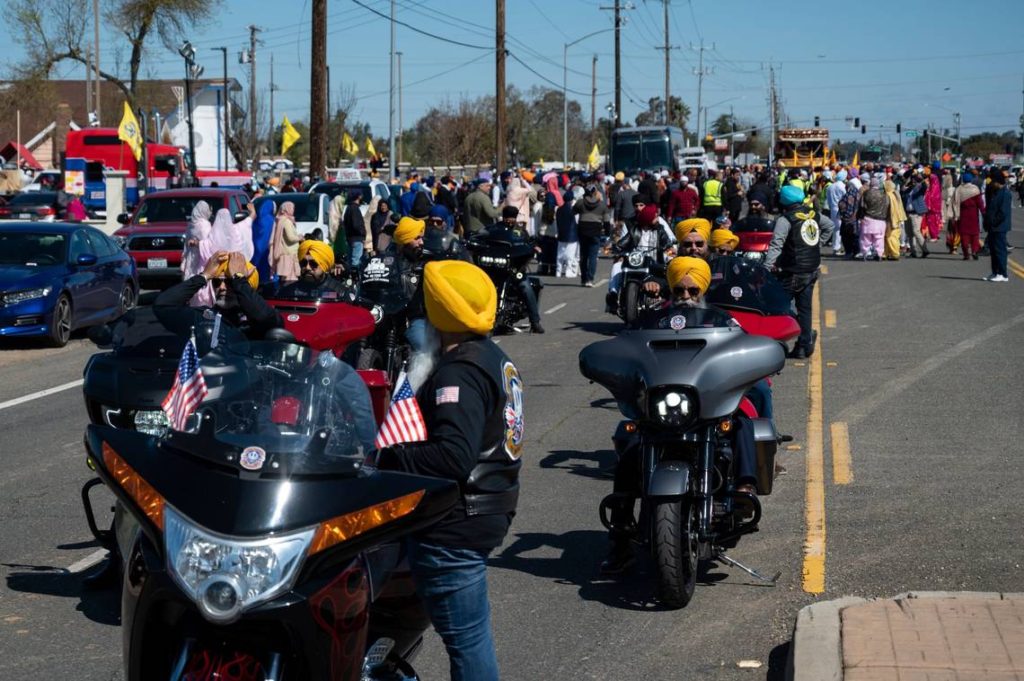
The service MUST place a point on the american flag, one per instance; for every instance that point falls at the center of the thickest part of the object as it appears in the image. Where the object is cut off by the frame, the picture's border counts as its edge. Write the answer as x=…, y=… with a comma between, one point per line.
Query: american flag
x=188, y=390
x=404, y=421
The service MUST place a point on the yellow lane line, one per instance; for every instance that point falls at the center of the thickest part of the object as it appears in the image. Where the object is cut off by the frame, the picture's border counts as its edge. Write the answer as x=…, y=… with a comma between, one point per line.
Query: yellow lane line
x=830, y=319
x=823, y=269
x=1017, y=269
x=842, y=468
x=814, y=495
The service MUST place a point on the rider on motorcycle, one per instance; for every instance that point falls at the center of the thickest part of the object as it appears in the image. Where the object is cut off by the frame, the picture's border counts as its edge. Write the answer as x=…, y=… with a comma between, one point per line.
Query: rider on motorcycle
x=316, y=265
x=755, y=220
x=688, y=280
x=648, y=233
x=234, y=283
x=723, y=242
x=693, y=236
x=509, y=221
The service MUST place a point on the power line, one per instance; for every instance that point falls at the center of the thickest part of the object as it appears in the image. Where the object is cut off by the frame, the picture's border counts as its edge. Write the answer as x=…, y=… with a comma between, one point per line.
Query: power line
x=421, y=31
x=548, y=80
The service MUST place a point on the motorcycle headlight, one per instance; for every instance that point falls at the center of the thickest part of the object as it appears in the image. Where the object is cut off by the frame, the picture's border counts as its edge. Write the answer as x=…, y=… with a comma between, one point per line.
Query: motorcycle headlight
x=671, y=406
x=152, y=422
x=378, y=314
x=16, y=297
x=636, y=259
x=227, y=575
x=754, y=255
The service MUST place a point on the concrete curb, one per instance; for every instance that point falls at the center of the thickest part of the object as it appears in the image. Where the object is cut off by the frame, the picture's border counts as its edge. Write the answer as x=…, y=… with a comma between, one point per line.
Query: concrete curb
x=816, y=653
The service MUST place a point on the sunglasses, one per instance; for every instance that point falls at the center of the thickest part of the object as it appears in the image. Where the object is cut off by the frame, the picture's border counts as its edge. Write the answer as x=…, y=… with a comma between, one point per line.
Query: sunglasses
x=693, y=244
x=310, y=263
x=219, y=281
x=691, y=291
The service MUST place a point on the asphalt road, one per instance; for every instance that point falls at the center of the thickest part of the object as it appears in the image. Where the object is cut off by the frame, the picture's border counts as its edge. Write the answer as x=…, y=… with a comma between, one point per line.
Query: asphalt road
x=920, y=361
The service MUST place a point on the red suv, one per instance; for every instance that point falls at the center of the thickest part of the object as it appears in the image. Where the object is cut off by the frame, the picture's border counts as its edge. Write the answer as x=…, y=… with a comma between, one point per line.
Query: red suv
x=154, y=234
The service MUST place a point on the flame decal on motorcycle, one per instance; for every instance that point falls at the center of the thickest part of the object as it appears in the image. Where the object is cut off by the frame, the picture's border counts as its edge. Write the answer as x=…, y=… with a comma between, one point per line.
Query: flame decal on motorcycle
x=341, y=609
x=513, y=412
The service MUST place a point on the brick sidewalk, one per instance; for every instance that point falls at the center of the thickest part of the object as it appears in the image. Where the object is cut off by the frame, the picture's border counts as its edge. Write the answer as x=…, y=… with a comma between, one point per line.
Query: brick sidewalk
x=934, y=639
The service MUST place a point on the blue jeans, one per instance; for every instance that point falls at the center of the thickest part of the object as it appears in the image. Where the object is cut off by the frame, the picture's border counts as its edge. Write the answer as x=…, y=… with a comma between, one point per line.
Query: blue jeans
x=416, y=334
x=996, y=242
x=355, y=252
x=589, y=246
x=453, y=585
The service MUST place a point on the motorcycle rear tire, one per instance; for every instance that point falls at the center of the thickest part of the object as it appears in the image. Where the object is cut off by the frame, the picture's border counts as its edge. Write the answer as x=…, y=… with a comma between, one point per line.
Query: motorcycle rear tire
x=632, y=302
x=675, y=551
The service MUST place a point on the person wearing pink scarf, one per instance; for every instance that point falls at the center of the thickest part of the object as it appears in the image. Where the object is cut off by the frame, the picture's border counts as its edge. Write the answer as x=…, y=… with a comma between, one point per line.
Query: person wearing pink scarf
x=284, y=244
x=933, y=202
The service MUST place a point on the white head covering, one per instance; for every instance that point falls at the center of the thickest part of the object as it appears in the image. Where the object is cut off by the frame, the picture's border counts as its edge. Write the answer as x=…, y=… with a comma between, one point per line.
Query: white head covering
x=227, y=235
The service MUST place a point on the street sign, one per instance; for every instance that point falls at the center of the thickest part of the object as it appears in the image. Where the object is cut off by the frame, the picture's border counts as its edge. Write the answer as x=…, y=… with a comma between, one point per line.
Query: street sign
x=721, y=144
x=739, y=137
x=911, y=133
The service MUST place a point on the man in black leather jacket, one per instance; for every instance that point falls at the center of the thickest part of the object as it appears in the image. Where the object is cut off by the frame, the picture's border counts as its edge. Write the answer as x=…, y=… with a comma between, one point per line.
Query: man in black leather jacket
x=472, y=405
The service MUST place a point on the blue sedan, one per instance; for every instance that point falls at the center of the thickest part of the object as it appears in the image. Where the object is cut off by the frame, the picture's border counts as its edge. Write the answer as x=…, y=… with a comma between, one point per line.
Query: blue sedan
x=55, y=278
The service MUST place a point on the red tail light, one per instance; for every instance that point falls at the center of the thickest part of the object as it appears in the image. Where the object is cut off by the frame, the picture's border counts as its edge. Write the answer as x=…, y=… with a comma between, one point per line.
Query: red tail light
x=46, y=210
x=5, y=212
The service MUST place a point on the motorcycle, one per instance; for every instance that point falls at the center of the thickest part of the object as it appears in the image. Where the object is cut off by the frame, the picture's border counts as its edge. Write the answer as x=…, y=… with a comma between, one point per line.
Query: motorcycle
x=257, y=545
x=679, y=385
x=637, y=265
x=754, y=298
x=383, y=292
x=753, y=246
x=504, y=256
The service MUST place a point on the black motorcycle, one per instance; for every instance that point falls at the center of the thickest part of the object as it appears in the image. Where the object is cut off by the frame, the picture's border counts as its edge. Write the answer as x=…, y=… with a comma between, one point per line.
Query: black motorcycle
x=637, y=265
x=257, y=545
x=383, y=291
x=680, y=383
x=505, y=254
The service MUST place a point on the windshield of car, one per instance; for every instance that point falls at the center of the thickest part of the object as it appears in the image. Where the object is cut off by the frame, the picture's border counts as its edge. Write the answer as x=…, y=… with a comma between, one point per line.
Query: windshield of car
x=740, y=284
x=33, y=199
x=307, y=206
x=173, y=208
x=332, y=189
x=32, y=249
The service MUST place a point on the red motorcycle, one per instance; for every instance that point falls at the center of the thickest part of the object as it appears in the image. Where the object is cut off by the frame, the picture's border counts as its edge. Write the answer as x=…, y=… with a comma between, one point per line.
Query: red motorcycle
x=753, y=246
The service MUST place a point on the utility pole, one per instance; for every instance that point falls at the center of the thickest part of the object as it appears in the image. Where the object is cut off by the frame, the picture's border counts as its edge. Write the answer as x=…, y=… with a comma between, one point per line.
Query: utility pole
x=619, y=21
x=330, y=115
x=226, y=133
x=88, y=83
x=700, y=72
x=772, y=114
x=400, y=128
x=96, y=43
x=732, y=137
x=391, y=100
x=253, y=30
x=667, y=114
x=318, y=92
x=270, y=137
x=593, y=94
x=499, y=85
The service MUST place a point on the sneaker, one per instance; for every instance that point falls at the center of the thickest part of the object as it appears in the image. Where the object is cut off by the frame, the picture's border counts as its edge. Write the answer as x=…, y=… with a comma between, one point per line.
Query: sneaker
x=838, y=252
x=974, y=255
x=858, y=256
x=535, y=327
x=1000, y=277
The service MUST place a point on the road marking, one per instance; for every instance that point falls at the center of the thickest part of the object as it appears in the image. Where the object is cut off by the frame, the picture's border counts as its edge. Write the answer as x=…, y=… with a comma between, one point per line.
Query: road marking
x=814, y=495
x=600, y=282
x=842, y=468
x=87, y=562
x=42, y=393
x=794, y=448
x=1017, y=269
x=824, y=269
x=556, y=308
x=830, y=319
x=831, y=364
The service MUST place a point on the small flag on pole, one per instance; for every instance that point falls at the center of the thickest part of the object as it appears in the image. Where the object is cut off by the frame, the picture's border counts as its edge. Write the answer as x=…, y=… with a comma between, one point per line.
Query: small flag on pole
x=594, y=158
x=348, y=145
x=371, y=151
x=404, y=421
x=188, y=391
x=289, y=135
x=128, y=131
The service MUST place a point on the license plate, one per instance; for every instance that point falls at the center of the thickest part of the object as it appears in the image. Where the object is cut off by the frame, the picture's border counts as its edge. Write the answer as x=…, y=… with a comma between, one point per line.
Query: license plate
x=96, y=195
x=25, y=216
x=156, y=263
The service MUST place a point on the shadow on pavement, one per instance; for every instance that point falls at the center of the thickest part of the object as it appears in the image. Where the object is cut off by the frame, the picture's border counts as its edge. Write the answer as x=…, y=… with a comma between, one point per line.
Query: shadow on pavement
x=576, y=462
x=102, y=606
x=600, y=328
x=939, y=276
x=777, y=661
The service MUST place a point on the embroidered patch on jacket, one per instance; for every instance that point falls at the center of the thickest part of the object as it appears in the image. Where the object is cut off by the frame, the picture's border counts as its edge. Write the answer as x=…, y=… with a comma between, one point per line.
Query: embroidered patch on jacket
x=449, y=395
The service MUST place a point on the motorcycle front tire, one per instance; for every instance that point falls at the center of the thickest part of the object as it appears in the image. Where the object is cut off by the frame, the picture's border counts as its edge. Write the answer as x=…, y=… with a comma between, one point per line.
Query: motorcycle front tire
x=675, y=550
x=631, y=302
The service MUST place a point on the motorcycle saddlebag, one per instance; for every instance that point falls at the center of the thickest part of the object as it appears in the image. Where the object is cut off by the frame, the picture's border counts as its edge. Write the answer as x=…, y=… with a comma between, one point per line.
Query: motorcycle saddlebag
x=765, y=444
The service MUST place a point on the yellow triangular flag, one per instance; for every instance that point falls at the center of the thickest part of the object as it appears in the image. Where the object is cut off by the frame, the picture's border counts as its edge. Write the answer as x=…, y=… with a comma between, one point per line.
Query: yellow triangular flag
x=129, y=132
x=370, y=150
x=348, y=145
x=856, y=159
x=541, y=162
x=592, y=159
x=289, y=135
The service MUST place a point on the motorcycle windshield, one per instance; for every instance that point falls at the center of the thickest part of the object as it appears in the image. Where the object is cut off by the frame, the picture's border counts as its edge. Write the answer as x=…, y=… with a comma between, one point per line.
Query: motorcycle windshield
x=739, y=284
x=500, y=237
x=162, y=332
x=279, y=408
x=300, y=292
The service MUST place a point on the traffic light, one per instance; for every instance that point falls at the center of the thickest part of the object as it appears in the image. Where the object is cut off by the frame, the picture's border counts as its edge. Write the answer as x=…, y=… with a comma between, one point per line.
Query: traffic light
x=753, y=133
x=817, y=122
x=863, y=129
x=899, y=128
x=856, y=122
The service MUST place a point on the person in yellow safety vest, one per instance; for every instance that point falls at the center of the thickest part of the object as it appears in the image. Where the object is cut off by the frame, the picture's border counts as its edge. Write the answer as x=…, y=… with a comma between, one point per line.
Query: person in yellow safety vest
x=711, y=203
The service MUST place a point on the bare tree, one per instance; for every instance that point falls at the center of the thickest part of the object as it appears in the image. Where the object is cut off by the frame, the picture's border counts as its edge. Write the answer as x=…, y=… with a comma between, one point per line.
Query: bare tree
x=54, y=31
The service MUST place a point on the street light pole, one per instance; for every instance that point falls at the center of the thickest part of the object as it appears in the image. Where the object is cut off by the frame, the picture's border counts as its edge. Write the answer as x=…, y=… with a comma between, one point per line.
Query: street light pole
x=224, y=54
x=565, y=90
x=191, y=70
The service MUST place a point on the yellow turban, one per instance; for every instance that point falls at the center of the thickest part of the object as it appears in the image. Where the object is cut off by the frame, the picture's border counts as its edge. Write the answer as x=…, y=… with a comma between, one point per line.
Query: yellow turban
x=724, y=237
x=253, y=278
x=322, y=253
x=459, y=296
x=697, y=268
x=408, y=230
x=699, y=225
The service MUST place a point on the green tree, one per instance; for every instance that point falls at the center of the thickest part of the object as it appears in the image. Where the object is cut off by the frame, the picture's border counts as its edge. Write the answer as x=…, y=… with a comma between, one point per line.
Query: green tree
x=679, y=113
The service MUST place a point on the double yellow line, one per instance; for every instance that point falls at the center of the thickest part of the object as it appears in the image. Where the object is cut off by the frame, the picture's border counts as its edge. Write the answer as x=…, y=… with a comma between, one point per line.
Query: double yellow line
x=1015, y=268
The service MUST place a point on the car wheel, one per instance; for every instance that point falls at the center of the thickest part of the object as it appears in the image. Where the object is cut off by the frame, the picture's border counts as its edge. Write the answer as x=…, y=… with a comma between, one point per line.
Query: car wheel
x=126, y=301
x=60, y=327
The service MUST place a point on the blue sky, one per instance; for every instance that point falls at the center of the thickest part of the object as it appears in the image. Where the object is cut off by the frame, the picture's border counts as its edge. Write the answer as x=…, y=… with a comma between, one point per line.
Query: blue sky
x=881, y=61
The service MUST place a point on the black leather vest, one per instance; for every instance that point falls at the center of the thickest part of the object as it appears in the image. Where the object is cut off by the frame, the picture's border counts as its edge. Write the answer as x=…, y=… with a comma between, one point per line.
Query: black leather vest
x=801, y=252
x=493, y=485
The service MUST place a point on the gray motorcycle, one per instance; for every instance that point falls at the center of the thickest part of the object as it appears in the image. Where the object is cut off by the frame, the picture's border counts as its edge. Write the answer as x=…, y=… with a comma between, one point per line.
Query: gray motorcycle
x=679, y=383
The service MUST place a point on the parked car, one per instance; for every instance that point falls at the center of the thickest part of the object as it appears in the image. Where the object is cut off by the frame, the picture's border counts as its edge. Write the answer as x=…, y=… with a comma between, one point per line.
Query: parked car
x=45, y=180
x=35, y=206
x=56, y=278
x=311, y=210
x=154, y=234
